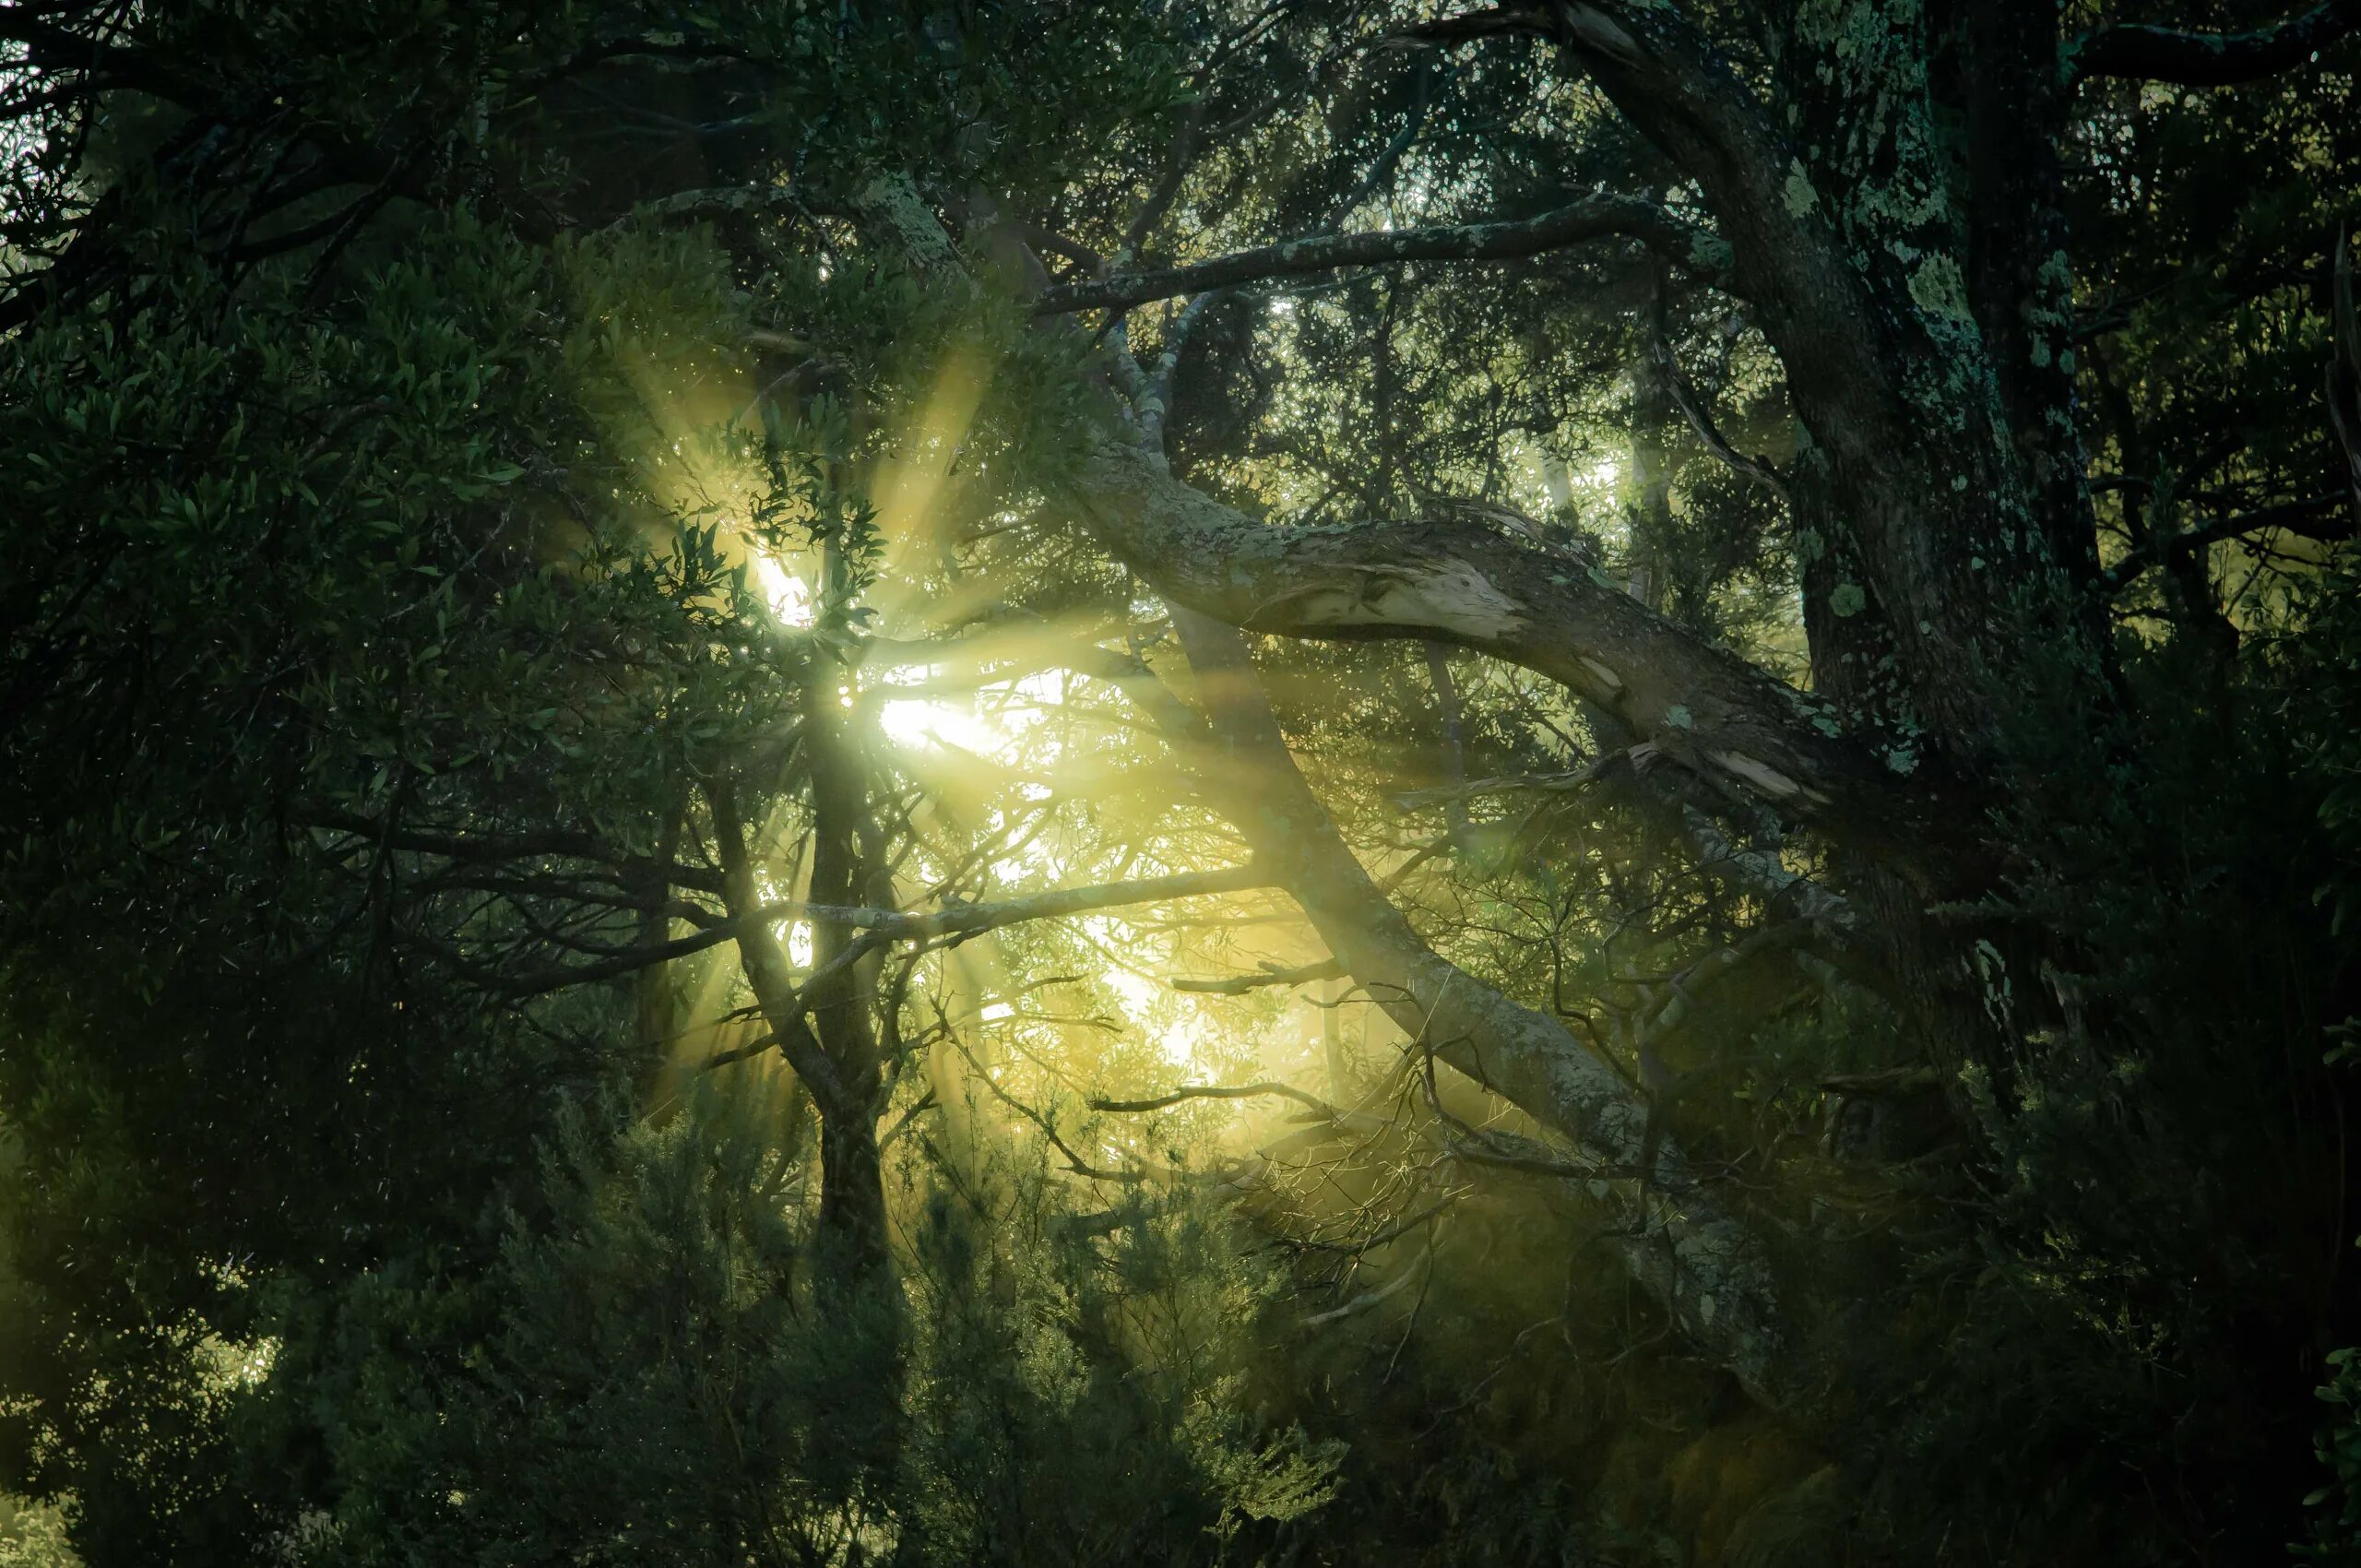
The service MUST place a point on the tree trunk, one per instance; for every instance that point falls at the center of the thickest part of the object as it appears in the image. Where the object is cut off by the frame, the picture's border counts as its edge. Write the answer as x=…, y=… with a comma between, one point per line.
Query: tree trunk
x=847, y=865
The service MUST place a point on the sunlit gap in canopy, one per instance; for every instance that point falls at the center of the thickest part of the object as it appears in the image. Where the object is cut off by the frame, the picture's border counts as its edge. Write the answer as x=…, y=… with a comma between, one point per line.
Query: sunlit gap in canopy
x=788, y=596
x=997, y=729
x=1584, y=481
x=1001, y=719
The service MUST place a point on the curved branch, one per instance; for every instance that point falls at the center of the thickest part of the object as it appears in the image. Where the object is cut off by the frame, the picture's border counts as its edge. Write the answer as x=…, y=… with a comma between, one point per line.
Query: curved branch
x=1220, y=1091
x=1701, y=421
x=1452, y=580
x=1692, y=249
x=2212, y=59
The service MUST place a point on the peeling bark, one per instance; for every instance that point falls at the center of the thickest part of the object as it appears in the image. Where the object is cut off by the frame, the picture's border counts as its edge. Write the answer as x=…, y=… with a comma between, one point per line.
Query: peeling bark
x=1748, y=734
x=1842, y=203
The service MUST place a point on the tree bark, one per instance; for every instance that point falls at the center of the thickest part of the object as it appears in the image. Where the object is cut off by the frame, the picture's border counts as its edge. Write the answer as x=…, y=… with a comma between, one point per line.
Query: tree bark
x=1751, y=737
x=847, y=869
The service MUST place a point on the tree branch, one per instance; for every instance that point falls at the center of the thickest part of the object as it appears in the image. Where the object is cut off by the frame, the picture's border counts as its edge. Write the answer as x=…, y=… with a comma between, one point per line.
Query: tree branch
x=1701, y=421
x=559, y=977
x=1220, y=1091
x=1568, y=783
x=767, y=973
x=2319, y=517
x=479, y=849
x=1450, y=580
x=1692, y=249
x=1690, y=1250
x=1846, y=332
x=1240, y=985
x=962, y=921
x=2212, y=59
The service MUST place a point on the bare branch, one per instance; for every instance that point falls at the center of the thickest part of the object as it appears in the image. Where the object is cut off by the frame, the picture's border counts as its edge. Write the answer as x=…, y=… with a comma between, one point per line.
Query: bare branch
x=1239, y=985
x=1052, y=243
x=1075, y=1160
x=628, y=961
x=1393, y=1232
x=962, y=921
x=1693, y=1248
x=1218, y=1091
x=1680, y=992
x=1377, y=1297
x=1701, y=421
x=1687, y=247
x=1177, y=160
x=769, y=975
x=1761, y=871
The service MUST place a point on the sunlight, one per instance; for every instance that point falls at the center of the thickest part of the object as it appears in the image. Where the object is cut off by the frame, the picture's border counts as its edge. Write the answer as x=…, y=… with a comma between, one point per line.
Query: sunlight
x=919, y=722
x=937, y=723
x=1177, y=1032
x=788, y=596
x=914, y=484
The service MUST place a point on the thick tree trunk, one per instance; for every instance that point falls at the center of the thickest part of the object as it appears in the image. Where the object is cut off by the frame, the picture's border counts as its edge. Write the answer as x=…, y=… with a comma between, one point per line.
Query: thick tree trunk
x=1928, y=135
x=852, y=1200
x=1843, y=203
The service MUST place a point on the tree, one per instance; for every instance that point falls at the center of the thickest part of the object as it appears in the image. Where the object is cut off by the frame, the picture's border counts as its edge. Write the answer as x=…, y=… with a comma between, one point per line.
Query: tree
x=497, y=481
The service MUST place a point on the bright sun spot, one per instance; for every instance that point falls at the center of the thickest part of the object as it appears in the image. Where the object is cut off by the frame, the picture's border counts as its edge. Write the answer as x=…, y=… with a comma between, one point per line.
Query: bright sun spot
x=788, y=595
x=923, y=721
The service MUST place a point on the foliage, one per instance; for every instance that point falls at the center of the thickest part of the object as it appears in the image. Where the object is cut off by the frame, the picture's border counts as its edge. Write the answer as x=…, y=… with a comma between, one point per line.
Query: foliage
x=531, y=523
x=2337, y=1531
x=651, y=1369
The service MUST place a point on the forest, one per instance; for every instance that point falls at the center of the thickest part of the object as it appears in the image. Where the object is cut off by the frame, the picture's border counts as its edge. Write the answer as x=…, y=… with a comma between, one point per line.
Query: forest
x=1071, y=783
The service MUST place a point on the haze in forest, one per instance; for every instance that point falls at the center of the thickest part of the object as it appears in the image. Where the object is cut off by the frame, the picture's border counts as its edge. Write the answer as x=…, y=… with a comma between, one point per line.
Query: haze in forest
x=1203, y=782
